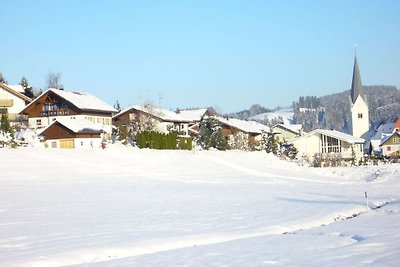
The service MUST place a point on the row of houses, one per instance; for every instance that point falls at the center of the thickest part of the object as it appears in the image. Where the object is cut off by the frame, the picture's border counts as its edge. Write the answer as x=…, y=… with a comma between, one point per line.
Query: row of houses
x=73, y=119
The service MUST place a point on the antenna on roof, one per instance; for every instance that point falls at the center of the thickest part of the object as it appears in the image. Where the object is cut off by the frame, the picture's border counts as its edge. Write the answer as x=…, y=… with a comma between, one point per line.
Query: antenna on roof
x=355, y=50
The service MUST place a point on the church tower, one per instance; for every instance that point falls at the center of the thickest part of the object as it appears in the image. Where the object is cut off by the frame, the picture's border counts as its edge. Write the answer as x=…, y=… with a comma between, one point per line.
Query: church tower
x=358, y=105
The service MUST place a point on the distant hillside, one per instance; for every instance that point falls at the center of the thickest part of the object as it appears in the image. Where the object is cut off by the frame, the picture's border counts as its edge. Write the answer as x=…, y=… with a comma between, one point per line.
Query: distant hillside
x=247, y=113
x=330, y=111
x=333, y=111
x=284, y=115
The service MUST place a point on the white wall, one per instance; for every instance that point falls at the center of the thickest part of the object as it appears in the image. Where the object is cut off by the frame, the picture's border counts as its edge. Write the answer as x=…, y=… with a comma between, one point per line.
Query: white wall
x=307, y=146
x=359, y=126
x=79, y=143
x=18, y=103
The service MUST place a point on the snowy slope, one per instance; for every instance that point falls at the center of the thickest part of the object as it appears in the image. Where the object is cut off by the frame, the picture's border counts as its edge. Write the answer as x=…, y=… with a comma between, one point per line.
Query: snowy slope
x=130, y=207
x=285, y=114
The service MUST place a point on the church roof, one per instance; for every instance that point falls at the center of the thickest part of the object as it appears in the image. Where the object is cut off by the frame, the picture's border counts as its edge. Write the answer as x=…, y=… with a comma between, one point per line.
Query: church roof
x=356, y=85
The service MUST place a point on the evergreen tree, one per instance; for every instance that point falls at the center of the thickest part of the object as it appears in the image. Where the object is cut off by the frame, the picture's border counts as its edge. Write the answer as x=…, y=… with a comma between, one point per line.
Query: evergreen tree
x=211, y=135
x=2, y=78
x=5, y=125
x=272, y=144
x=117, y=106
x=292, y=152
x=264, y=140
x=28, y=89
x=353, y=156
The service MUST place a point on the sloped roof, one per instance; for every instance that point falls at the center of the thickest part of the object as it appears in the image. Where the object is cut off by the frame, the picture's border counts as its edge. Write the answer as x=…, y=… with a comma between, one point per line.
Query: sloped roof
x=356, y=85
x=77, y=126
x=83, y=101
x=11, y=90
x=193, y=114
x=341, y=136
x=163, y=114
x=384, y=128
x=397, y=124
x=295, y=128
x=17, y=88
x=387, y=137
x=245, y=126
x=335, y=134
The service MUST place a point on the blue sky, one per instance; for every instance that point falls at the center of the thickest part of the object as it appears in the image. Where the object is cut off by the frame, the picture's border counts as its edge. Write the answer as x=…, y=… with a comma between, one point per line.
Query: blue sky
x=179, y=54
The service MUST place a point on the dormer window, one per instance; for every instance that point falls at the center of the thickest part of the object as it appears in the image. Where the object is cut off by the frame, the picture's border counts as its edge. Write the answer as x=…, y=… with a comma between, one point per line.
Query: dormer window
x=360, y=115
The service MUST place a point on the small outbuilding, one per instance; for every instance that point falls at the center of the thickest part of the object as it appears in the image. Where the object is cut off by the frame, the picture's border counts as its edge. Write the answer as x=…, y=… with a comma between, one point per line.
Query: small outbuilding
x=72, y=133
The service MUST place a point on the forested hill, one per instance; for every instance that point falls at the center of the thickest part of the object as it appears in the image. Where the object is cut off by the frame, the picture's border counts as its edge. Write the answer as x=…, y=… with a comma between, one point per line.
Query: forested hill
x=333, y=111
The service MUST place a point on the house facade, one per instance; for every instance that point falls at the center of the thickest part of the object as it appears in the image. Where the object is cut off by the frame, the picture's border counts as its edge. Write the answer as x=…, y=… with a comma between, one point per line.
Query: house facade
x=140, y=118
x=70, y=133
x=12, y=100
x=391, y=145
x=54, y=104
x=242, y=134
x=329, y=144
x=287, y=132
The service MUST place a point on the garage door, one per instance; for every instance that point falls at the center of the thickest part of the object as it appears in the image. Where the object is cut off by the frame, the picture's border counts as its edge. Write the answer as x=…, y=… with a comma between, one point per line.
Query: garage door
x=67, y=143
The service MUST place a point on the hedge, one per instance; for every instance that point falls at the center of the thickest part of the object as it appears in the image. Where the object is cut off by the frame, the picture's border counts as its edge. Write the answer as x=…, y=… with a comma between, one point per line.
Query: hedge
x=156, y=140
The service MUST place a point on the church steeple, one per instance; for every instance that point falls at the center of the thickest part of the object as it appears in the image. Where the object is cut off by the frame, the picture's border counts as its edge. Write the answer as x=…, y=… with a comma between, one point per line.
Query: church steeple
x=356, y=85
x=358, y=104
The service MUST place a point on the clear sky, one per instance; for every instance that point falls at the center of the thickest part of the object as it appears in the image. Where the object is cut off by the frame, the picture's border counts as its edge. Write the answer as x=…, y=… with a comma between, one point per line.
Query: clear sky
x=178, y=54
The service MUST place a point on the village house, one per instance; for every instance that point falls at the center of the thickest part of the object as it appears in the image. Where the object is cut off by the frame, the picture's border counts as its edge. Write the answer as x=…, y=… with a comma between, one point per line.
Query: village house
x=13, y=101
x=390, y=145
x=54, y=104
x=139, y=118
x=70, y=133
x=328, y=145
x=373, y=145
x=287, y=132
x=240, y=133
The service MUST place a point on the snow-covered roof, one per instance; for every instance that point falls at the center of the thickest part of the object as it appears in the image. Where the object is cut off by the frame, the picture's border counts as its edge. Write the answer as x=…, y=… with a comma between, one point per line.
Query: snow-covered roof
x=341, y=136
x=387, y=137
x=296, y=128
x=18, y=88
x=193, y=114
x=163, y=114
x=245, y=126
x=12, y=89
x=385, y=128
x=83, y=101
x=77, y=125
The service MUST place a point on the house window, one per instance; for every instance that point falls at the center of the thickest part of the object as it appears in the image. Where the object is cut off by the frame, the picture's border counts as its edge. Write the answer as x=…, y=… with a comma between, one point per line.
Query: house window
x=360, y=115
x=39, y=122
x=389, y=148
x=330, y=144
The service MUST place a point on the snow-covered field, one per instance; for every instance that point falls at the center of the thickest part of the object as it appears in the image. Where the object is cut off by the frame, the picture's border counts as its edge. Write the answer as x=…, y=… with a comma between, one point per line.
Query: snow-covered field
x=128, y=207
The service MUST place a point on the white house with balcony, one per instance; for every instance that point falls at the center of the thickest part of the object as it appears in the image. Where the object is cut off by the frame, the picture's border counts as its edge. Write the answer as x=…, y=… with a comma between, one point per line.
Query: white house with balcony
x=13, y=100
x=328, y=144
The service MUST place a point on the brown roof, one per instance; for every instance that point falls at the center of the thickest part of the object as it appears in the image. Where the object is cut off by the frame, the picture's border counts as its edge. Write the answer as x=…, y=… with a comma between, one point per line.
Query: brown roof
x=17, y=94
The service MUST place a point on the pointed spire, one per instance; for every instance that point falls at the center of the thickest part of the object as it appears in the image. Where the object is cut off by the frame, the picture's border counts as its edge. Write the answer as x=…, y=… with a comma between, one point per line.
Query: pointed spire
x=356, y=86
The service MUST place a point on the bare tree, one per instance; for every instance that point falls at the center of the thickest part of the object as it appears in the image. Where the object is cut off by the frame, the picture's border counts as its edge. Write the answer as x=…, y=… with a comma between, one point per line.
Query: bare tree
x=53, y=80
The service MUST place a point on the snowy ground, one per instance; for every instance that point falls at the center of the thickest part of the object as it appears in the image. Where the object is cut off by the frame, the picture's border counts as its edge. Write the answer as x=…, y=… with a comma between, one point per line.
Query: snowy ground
x=130, y=207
